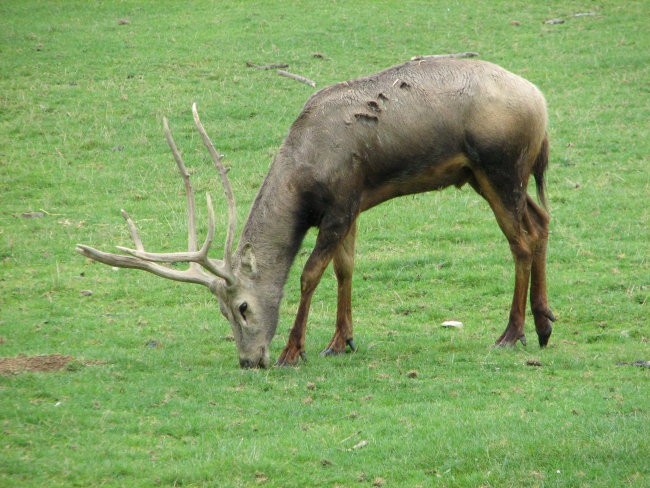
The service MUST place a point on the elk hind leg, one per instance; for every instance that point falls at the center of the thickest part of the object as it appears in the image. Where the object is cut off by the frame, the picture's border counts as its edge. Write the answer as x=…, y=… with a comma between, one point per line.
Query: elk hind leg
x=538, y=297
x=513, y=221
x=343, y=268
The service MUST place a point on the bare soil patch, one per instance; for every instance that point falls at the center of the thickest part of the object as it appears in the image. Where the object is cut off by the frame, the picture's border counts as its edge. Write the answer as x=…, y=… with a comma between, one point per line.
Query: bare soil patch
x=43, y=364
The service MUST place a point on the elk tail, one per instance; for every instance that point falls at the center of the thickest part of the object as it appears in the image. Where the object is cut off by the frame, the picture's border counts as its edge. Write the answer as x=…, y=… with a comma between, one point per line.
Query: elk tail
x=539, y=169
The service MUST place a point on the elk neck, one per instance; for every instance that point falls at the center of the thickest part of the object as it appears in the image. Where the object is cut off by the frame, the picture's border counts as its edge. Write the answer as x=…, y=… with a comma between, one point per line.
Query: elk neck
x=276, y=226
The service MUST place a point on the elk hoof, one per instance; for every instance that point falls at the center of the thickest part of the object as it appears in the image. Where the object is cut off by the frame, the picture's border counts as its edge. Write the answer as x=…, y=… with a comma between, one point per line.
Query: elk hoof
x=332, y=351
x=544, y=326
x=510, y=340
x=543, y=338
x=284, y=363
x=544, y=332
x=291, y=357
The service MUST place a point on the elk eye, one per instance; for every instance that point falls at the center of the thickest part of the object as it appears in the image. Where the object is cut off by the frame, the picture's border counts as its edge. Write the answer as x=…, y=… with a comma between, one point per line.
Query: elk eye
x=242, y=309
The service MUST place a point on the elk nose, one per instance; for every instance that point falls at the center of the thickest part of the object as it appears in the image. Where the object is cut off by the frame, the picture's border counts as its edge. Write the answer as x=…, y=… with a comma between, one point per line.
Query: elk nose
x=246, y=363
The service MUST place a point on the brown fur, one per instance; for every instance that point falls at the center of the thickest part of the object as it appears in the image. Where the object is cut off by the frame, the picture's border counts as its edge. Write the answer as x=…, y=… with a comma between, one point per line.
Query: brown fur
x=416, y=127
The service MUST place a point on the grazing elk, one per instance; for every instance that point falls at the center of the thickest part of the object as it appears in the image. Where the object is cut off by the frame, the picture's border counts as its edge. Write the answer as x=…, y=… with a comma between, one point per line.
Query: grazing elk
x=423, y=125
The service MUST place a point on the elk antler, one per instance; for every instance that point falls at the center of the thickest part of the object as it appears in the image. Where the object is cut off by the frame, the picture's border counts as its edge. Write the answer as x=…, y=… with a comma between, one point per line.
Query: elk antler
x=202, y=269
x=225, y=182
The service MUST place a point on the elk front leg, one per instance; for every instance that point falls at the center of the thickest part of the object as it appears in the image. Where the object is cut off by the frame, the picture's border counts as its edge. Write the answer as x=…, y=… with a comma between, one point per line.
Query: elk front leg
x=311, y=275
x=343, y=268
x=328, y=240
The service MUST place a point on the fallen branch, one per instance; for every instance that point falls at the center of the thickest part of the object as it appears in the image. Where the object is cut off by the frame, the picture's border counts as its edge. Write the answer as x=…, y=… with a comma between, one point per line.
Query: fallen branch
x=453, y=55
x=266, y=66
x=299, y=78
x=640, y=363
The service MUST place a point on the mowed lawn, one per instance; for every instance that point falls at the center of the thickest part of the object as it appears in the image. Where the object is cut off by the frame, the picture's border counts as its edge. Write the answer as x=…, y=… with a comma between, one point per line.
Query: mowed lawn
x=140, y=384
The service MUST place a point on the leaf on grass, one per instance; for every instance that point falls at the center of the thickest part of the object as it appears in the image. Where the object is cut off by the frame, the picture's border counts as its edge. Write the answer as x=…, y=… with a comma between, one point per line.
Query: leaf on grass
x=359, y=445
x=452, y=324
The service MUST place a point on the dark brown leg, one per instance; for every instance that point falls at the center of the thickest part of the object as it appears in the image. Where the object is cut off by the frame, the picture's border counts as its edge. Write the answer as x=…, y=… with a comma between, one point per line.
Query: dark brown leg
x=343, y=267
x=515, y=224
x=327, y=242
x=515, y=329
x=538, y=298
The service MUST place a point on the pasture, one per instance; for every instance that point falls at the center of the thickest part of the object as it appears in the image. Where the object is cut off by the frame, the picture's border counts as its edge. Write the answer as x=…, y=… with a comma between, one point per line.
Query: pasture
x=120, y=378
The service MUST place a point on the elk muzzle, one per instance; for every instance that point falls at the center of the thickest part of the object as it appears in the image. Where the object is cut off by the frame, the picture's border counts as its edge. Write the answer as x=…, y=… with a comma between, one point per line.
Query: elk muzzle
x=261, y=360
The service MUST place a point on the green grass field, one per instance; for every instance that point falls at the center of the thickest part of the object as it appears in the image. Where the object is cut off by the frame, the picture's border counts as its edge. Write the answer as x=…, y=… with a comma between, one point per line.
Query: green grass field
x=153, y=395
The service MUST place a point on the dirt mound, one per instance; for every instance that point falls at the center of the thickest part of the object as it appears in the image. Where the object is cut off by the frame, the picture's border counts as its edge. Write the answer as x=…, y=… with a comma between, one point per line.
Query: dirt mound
x=43, y=364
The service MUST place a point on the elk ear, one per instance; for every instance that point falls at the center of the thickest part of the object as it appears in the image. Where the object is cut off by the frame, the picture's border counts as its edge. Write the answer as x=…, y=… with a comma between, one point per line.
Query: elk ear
x=248, y=263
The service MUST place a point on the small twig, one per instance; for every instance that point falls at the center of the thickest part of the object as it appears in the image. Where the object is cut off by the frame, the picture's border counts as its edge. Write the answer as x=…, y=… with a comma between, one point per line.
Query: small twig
x=299, y=78
x=468, y=54
x=350, y=437
x=266, y=66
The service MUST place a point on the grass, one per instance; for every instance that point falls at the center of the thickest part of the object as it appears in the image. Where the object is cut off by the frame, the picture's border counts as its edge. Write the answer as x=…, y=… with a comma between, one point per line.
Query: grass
x=155, y=397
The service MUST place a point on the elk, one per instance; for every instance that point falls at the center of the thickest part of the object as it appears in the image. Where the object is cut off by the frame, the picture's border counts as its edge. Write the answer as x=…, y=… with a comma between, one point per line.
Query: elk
x=419, y=126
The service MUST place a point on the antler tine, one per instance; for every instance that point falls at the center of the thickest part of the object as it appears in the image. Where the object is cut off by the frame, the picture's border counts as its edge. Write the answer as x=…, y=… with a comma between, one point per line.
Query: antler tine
x=141, y=259
x=133, y=230
x=189, y=191
x=120, y=261
x=223, y=173
x=200, y=265
x=199, y=257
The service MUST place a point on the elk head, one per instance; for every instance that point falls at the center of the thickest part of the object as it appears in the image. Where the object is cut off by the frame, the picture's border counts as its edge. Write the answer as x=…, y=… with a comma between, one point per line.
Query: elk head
x=232, y=280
